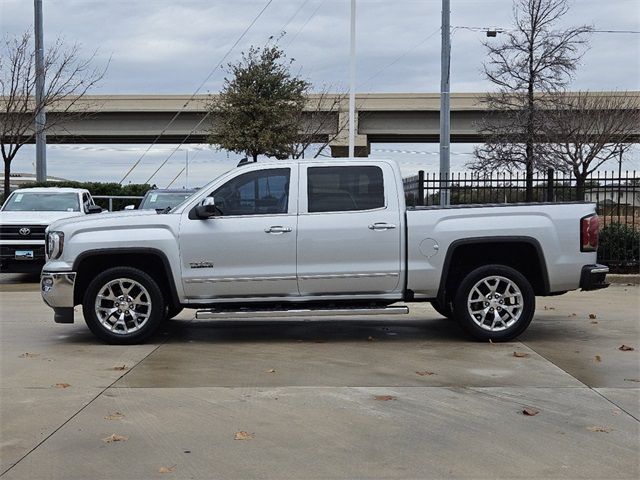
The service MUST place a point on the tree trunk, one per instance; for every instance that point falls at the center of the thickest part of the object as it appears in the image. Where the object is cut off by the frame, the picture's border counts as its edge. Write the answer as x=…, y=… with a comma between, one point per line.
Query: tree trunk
x=529, y=174
x=255, y=156
x=580, y=181
x=530, y=140
x=7, y=178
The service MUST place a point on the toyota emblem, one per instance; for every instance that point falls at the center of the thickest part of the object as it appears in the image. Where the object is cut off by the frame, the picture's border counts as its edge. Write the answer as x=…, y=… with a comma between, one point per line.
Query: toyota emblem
x=24, y=231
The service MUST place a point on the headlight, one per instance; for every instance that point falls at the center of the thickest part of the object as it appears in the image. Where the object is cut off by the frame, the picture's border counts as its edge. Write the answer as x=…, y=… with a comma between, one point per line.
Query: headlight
x=55, y=244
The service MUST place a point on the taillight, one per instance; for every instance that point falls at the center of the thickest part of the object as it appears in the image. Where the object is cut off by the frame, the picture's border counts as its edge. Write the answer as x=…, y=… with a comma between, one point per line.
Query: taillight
x=589, y=230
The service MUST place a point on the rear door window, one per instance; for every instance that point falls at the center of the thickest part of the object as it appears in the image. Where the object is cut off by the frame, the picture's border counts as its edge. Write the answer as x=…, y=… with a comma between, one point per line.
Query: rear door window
x=344, y=189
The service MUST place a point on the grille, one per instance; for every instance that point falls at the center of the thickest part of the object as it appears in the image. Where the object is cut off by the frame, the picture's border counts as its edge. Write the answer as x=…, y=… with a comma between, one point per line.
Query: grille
x=12, y=232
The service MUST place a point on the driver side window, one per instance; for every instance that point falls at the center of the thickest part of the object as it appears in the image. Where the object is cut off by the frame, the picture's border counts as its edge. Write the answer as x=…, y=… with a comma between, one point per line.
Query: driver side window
x=261, y=192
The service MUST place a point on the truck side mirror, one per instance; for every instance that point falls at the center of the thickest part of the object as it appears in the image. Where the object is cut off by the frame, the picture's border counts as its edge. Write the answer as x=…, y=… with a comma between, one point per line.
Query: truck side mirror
x=207, y=209
x=93, y=209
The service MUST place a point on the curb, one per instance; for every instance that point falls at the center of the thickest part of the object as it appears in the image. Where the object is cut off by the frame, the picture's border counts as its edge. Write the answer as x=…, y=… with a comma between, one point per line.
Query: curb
x=631, y=279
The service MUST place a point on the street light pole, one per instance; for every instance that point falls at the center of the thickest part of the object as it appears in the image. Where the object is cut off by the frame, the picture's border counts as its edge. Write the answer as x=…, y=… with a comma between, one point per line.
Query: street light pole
x=186, y=169
x=352, y=83
x=445, y=105
x=41, y=138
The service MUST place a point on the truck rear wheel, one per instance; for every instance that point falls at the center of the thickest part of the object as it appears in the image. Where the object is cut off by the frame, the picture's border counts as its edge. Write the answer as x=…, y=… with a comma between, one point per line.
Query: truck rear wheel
x=494, y=302
x=123, y=305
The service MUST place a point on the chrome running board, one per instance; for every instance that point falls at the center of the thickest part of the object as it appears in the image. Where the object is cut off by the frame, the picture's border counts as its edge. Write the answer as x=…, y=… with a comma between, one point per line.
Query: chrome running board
x=215, y=314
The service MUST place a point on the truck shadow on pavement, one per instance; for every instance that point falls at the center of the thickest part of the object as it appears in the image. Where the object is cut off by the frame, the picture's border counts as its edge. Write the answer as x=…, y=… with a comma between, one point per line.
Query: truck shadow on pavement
x=320, y=331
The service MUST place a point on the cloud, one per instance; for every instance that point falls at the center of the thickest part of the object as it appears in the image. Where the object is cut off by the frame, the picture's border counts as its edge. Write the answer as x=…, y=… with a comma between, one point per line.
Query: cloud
x=164, y=46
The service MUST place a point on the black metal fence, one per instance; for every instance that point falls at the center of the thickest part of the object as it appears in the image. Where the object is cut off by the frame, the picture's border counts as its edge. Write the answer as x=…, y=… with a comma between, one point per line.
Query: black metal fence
x=616, y=194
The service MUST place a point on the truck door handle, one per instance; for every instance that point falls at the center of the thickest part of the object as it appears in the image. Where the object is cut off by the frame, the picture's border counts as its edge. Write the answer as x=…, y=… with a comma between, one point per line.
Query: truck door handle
x=379, y=226
x=277, y=229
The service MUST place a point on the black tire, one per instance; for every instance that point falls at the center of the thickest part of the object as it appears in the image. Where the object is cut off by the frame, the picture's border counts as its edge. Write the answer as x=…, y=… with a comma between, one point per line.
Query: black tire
x=509, y=316
x=152, y=313
x=445, y=310
x=172, y=311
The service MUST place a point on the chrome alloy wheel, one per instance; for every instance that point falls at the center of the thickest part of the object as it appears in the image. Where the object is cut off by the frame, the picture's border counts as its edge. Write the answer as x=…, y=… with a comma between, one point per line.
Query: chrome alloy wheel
x=495, y=303
x=123, y=306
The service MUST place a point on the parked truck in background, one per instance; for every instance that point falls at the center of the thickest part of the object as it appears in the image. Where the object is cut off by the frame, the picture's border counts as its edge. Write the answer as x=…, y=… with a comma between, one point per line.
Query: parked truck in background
x=317, y=237
x=25, y=215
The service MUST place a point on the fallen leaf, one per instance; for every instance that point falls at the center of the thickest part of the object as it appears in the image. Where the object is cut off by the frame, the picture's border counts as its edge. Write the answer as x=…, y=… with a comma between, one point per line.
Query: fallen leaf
x=123, y=367
x=530, y=411
x=615, y=412
x=62, y=385
x=167, y=469
x=114, y=416
x=593, y=316
x=243, y=436
x=520, y=354
x=425, y=373
x=115, y=438
x=632, y=380
x=594, y=322
x=597, y=358
x=573, y=315
x=271, y=370
x=371, y=339
x=29, y=355
x=384, y=398
x=626, y=348
x=597, y=428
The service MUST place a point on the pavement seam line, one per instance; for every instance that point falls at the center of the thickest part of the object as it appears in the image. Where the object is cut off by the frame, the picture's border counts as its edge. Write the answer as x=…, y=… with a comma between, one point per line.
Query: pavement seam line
x=615, y=404
x=84, y=407
x=580, y=381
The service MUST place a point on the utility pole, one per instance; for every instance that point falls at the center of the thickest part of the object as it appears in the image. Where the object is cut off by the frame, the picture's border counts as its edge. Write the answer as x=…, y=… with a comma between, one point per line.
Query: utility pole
x=186, y=170
x=620, y=153
x=41, y=137
x=445, y=105
x=352, y=83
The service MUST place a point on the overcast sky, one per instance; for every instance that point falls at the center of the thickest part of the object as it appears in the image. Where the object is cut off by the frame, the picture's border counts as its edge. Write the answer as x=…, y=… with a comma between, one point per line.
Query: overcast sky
x=162, y=46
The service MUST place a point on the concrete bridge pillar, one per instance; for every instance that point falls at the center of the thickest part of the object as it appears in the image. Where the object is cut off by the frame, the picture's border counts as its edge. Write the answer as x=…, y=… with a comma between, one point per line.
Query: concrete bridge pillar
x=340, y=144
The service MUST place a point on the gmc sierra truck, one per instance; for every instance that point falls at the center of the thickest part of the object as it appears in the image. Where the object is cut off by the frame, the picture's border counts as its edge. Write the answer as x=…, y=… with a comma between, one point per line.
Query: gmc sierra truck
x=24, y=217
x=314, y=238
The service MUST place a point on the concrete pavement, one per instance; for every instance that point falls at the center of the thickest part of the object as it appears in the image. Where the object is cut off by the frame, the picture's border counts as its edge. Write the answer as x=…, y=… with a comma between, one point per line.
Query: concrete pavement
x=401, y=399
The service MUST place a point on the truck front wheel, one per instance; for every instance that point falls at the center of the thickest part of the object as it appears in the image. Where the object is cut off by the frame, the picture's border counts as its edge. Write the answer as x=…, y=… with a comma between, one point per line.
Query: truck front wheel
x=494, y=302
x=123, y=305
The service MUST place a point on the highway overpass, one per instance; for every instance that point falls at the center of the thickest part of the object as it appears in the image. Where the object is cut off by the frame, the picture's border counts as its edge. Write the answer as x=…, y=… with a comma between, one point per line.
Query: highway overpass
x=381, y=117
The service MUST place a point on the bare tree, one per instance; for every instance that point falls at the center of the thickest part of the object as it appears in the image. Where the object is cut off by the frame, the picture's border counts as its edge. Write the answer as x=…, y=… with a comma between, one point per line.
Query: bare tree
x=319, y=123
x=67, y=80
x=534, y=58
x=588, y=129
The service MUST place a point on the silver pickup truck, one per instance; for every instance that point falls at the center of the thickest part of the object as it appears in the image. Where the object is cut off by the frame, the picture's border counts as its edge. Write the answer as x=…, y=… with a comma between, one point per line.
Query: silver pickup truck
x=312, y=238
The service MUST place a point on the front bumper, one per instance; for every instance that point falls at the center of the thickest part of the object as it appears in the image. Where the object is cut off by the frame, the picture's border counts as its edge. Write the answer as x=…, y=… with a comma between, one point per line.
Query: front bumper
x=593, y=277
x=11, y=260
x=56, y=289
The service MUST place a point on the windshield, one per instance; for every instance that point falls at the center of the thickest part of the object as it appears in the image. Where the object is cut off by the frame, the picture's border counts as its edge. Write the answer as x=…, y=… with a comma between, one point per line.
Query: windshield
x=162, y=200
x=42, y=202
